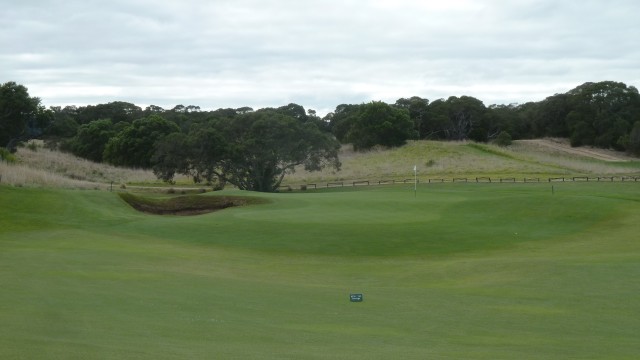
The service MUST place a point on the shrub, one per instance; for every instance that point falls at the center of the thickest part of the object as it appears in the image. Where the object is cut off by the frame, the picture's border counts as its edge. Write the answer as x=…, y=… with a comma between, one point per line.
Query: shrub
x=32, y=146
x=7, y=156
x=218, y=186
x=503, y=139
x=633, y=142
x=303, y=187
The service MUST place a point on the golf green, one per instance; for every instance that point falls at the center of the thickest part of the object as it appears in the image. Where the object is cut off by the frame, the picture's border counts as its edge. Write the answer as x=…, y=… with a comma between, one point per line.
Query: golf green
x=459, y=271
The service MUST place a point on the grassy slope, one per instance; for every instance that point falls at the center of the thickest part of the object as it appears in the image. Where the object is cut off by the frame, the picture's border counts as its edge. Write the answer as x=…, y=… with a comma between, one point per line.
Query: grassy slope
x=480, y=271
x=464, y=159
x=433, y=159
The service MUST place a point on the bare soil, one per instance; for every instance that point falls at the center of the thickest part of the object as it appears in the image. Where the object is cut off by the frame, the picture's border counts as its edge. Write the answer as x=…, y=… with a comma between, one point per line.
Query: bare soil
x=183, y=205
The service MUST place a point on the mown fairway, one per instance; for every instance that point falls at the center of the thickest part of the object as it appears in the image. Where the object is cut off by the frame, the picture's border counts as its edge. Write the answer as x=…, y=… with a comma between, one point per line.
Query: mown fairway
x=462, y=271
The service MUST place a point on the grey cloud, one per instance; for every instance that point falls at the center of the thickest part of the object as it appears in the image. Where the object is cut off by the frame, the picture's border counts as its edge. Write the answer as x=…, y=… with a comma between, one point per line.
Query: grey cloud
x=228, y=53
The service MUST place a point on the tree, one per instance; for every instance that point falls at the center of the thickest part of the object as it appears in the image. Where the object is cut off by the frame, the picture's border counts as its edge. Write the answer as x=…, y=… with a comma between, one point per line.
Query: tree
x=264, y=146
x=342, y=119
x=17, y=111
x=438, y=123
x=551, y=116
x=294, y=110
x=135, y=145
x=63, y=125
x=91, y=139
x=117, y=111
x=418, y=112
x=172, y=155
x=499, y=118
x=465, y=113
x=582, y=134
x=633, y=145
x=378, y=123
x=253, y=151
x=196, y=154
x=602, y=113
x=503, y=139
x=153, y=109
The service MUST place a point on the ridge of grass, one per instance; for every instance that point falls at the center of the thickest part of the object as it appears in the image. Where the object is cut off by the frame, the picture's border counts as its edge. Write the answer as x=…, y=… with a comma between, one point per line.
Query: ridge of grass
x=492, y=151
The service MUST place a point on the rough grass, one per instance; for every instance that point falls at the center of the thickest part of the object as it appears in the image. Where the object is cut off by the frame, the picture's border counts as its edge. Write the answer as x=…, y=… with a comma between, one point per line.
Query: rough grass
x=462, y=159
x=38, y=166
x=73, y=167
x=25, y=175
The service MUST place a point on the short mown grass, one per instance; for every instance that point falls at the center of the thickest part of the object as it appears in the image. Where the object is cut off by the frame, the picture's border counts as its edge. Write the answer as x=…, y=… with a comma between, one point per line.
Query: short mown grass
x=460, y=271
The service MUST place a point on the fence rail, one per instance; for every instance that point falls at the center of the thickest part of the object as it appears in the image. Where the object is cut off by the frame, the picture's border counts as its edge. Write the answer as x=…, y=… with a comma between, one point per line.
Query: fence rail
x=479, y=179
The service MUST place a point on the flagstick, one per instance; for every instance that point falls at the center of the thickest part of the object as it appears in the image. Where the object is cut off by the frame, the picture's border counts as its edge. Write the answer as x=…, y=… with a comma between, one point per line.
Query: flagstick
x=415, y=181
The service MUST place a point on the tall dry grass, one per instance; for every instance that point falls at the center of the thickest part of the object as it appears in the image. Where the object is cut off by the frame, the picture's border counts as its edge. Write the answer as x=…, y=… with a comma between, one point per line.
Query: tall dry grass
x=73, y=167
x=24, y=175
x=39, y=166
x=572, y=163
x=460, y=159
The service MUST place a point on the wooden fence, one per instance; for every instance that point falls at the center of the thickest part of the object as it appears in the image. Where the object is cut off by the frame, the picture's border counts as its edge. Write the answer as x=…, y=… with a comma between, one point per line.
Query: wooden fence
x=466, y=180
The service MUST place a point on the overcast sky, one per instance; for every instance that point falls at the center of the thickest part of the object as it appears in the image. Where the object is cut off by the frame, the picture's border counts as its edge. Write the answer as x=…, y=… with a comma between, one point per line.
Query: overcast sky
x=316, y=53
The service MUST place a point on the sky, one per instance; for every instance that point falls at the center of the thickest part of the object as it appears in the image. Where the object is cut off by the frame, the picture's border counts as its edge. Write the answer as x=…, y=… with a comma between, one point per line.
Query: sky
x=315, y=53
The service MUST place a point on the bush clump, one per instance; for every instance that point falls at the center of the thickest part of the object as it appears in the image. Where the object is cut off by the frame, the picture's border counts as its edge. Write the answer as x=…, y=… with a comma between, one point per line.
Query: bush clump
x=7, y=156
x=503, y=139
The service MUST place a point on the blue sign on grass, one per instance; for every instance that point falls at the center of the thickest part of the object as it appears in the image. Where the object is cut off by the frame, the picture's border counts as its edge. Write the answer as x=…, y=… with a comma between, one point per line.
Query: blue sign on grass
x=355, y=297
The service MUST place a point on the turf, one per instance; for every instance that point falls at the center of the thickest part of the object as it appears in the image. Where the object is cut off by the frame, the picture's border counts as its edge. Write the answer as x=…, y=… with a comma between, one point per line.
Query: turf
x=476, y=271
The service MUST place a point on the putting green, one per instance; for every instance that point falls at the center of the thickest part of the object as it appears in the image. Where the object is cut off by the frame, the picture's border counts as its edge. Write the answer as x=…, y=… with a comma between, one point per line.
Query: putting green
x=478, y=271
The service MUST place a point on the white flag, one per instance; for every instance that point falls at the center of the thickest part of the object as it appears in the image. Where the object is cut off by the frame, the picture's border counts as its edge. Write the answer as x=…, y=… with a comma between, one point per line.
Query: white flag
x=415, y=167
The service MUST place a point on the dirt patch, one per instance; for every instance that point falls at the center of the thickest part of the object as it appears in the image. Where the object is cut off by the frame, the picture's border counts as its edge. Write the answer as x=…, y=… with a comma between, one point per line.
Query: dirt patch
x=185, y=205
x=595, y=153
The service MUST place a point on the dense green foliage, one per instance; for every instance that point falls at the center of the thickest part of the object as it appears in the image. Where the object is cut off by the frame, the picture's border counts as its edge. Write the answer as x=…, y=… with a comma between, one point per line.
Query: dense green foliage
x=633, y=140
x=91, y=139
x=253, y=151
x=462, y=271
x=600, y=114
x=503, y=139
x=6, y=155
x=21, y=115
x=135, y=144
x=376, y=123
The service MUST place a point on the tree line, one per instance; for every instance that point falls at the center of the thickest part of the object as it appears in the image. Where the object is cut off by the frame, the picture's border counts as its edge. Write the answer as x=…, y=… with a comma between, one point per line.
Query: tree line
x=254, y=149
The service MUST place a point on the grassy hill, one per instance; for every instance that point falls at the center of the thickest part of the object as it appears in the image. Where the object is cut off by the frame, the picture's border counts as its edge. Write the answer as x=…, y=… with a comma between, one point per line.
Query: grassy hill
x=537, y=158
x=436, y=159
